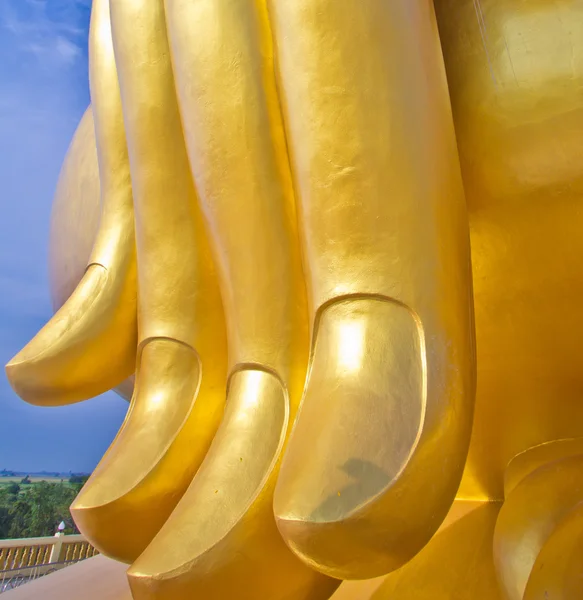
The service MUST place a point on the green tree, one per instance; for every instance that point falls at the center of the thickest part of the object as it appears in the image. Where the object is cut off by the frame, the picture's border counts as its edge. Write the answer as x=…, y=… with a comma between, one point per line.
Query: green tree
x=20, y=512
x=5, y=521
x=13, y=488
x=78, y=479
x=36, y=510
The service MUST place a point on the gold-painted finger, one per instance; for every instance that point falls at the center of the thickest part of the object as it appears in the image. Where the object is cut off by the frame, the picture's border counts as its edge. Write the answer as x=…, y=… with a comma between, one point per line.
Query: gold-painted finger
x=89, y=345
x=181, y=365
x=75, y=217
x=379, y=445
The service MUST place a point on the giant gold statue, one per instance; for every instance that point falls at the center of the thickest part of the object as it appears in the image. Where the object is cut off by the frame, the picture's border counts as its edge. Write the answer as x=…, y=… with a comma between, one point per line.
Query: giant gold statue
x=262, y=218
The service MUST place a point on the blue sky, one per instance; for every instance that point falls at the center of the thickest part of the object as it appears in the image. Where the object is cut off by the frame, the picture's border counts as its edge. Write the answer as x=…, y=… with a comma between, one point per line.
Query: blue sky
x=43, y=93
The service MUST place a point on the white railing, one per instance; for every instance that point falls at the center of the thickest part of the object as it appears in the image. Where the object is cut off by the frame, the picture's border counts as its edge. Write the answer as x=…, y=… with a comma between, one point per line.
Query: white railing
x=29, y=558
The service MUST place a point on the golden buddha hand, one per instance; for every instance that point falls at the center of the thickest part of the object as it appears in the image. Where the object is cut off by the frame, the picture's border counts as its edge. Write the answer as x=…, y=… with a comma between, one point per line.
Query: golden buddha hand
x=294, y=171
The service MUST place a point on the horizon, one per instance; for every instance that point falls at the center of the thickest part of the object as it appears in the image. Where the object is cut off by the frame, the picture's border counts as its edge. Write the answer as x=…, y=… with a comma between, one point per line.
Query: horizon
x=18, y=472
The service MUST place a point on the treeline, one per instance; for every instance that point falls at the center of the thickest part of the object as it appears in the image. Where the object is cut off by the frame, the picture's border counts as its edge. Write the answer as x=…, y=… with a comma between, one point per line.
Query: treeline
x=36, y=509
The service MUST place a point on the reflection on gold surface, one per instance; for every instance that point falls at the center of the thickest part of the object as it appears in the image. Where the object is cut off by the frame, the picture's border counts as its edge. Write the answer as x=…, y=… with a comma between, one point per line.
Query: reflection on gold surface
x=305, y=365
x=350, y=342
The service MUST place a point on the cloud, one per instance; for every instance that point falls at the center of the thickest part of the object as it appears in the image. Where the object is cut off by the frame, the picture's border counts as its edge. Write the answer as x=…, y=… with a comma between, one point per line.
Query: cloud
x=67, y=50
x=43, y=50
x=52, y=30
